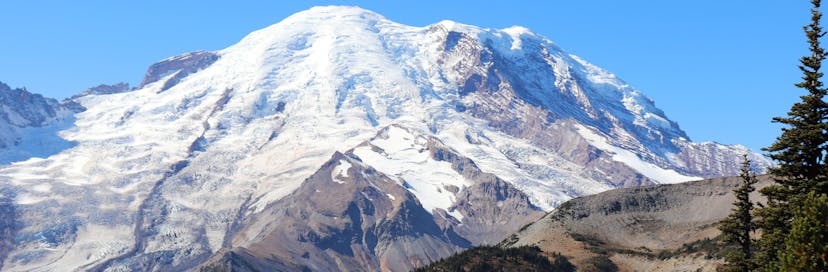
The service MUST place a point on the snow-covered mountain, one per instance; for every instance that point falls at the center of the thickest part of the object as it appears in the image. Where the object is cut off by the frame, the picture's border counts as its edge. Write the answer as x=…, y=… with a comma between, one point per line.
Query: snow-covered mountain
x=337, y=139
x=29, y=124
x=103, y=89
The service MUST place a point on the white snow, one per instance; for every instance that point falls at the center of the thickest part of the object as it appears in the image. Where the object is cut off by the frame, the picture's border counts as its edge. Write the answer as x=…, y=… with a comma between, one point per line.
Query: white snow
x=278, y=104
x=36, y=142
x=405, y=155
x=28, y=199
x=456, y=214
x=341, y=170
x=95, y=242
x=633, y=161
x=548, y=179
x=515, y=32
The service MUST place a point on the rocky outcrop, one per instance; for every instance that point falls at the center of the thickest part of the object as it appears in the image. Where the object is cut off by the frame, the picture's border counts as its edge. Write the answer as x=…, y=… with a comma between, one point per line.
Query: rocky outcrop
x=490, y=207
x=29, y=123
x=21, y=108
x=104, y=89
x=350, y=215
x=179, y=66
x=539, y=93
x=644, y=228
x=712, y=157
x=356, y=218
x=477, y=127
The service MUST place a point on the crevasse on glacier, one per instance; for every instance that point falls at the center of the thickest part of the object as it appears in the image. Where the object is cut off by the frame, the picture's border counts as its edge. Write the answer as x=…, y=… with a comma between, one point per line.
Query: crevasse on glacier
x=171, y=173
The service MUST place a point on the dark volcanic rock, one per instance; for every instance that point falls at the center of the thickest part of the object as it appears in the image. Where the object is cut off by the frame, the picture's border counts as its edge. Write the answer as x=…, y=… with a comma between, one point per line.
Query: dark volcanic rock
x=29, y=123
x=181, y=66
x=347, y=222
x=22, y=108
x=491, y=207
x=104, y=89
x=360, y=218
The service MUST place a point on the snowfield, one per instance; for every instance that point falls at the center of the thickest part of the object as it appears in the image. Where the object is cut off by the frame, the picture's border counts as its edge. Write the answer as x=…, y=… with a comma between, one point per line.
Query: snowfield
x=167, y=173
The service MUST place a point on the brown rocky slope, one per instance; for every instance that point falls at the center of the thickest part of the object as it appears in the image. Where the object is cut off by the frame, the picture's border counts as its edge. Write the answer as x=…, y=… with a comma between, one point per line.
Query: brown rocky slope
x=650, y=228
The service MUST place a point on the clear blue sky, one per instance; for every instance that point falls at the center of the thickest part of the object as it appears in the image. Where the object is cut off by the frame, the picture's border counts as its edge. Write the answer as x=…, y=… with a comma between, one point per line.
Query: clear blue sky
x=721, y=69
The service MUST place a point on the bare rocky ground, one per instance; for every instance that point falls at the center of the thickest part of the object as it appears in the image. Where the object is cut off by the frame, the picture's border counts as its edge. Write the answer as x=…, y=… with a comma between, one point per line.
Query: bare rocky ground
x=651, y=228
x=225, y=157
x=363, y=220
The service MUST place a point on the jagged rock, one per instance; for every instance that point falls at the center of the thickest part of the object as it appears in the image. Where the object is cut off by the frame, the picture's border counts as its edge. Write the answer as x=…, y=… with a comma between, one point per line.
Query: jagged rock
x=349, y=215
x=103, y=89
x=172, y=175
x=179, y=66
x=29, y=123
x=24, y=109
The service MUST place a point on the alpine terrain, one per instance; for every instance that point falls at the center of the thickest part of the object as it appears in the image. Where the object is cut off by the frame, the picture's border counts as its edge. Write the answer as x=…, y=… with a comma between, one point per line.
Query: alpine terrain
x=669, y=227
x=333, y=140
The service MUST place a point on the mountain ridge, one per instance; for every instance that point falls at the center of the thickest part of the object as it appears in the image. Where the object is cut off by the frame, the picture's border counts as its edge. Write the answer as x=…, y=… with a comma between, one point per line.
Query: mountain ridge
x=29, y=124
x=168, y=174
x=667, y=227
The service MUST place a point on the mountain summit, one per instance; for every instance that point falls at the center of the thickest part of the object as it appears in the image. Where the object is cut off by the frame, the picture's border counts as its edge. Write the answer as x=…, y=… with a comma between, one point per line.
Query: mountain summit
x=337, y=140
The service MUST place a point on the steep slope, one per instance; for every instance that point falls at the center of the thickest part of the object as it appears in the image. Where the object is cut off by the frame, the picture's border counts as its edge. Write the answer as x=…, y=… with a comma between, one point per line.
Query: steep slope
x=347, y=216
x=29, y=125
x=651, y=228
x=169, y=174
x=492, y=258
x=385, y=205
x=176, y=68
x=103, y=89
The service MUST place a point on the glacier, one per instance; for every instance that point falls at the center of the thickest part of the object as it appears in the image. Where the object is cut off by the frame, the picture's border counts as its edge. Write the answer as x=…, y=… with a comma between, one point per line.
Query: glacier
x=176, y=171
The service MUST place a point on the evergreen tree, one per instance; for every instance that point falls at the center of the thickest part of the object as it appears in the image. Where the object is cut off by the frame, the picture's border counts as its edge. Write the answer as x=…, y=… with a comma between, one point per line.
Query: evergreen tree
x=737, y=227
x=799, y=151
x=806, y=247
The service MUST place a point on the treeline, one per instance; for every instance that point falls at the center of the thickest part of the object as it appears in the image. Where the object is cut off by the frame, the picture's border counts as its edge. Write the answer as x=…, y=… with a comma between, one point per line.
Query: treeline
x=492, y=258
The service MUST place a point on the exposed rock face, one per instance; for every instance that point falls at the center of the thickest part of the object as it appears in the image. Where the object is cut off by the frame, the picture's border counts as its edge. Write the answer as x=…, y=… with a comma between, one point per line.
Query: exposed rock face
x=511, y=90
x=24, y=109
x=632, y=223
x=358, y=218
x=29, y=123
x=104, y=89
x=490, y=206
x=477, y=128
x=29, y=126
x=179, y=66
x=349, y=215
x=710, y=157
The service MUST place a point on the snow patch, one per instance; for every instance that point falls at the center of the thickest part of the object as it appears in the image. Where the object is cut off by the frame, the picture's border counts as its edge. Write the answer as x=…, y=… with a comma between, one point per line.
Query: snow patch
x=515, y=32
x=548, y=179
x=274, y=107
x=341, y=170
x=405, y=155
x=456, y=214
x=629, y=158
